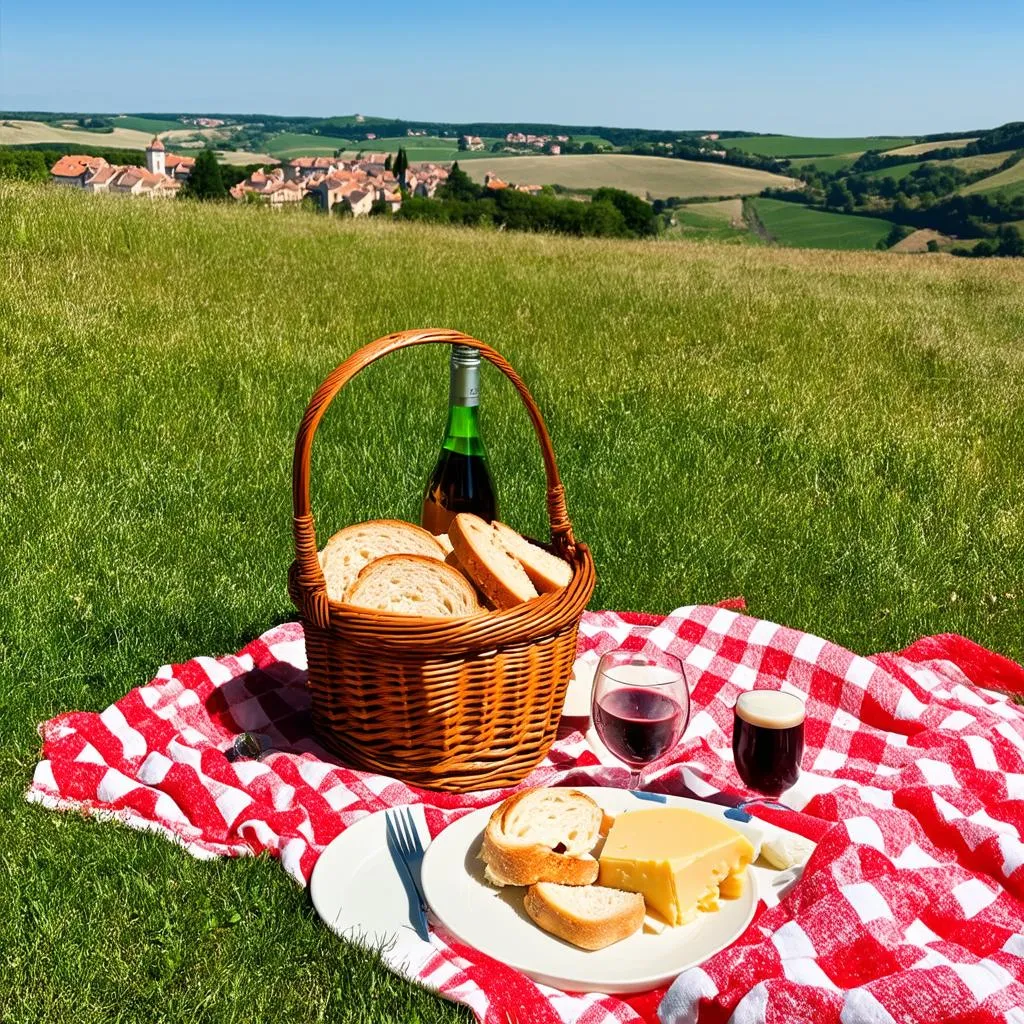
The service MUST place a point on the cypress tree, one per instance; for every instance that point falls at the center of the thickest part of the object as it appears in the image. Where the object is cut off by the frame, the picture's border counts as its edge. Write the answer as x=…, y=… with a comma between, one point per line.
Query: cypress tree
x=205, y=182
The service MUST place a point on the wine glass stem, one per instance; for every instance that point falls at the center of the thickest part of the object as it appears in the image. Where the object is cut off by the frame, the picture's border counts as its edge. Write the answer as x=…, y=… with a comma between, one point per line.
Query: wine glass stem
x=635, y=778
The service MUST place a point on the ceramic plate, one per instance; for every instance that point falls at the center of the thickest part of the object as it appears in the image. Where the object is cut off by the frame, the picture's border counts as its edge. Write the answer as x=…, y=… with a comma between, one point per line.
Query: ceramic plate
x=494, y=921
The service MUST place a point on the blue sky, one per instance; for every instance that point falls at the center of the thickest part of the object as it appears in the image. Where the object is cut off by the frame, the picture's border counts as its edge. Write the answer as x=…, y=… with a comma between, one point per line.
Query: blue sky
x=828, y=68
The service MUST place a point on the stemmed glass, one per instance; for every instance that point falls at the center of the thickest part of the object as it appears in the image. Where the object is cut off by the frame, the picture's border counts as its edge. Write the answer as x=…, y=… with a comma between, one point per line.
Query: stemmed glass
x=640, y=705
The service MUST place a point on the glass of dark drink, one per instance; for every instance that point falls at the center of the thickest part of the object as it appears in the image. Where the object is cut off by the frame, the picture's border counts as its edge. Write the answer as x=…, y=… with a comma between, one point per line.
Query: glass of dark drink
x=768, y=740
x=640, y=705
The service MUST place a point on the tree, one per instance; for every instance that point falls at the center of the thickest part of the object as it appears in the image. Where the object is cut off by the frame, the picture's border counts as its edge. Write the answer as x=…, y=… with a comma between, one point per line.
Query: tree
x=387, y=162
x=380, y=208
x=932, y=246
x=459, y=185
x=400, y=165
x=639, y=217
x=205, y=182
x=839, y=196
x=1010, y=241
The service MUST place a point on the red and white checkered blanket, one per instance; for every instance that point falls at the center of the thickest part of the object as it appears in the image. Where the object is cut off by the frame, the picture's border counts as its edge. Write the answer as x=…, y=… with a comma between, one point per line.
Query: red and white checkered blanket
x=909, y=910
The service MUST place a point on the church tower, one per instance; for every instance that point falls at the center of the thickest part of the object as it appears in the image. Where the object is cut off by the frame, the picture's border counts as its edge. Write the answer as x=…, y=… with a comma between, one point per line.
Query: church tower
x=155, y=157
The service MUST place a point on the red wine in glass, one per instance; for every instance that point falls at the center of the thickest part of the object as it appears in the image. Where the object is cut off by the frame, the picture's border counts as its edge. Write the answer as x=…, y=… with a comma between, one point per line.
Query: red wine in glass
x=638, y=725
x=640, y=705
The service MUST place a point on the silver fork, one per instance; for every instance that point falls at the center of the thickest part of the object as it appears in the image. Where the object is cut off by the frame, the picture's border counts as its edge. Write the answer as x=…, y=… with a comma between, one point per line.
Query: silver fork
x=411, y=847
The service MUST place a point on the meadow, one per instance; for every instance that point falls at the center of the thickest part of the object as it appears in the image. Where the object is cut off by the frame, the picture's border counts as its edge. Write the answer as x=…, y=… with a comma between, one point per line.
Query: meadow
x=795, y=145
x=967, y=164
x=826, y=164
x=837, y=436
x=1010, y=182
x=24, y=133
x=927, y=147
x=147, y=124
x=805, y=228
x=657, y=176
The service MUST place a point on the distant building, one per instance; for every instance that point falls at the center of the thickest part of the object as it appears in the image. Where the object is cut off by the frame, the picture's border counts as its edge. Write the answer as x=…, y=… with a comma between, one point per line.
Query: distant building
x=161, y=178
x=494, y=183
x=554, y=149
x=470, y=143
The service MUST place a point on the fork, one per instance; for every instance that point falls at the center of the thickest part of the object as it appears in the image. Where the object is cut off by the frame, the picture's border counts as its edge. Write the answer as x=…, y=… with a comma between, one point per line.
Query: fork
x=410, y=846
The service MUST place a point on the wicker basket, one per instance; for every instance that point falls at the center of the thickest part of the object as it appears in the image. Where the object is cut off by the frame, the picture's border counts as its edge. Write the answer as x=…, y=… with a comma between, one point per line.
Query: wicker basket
x=454, y=704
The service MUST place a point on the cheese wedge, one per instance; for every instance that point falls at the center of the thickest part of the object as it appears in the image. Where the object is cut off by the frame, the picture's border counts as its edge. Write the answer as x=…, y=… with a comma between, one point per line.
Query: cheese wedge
x=680, y=861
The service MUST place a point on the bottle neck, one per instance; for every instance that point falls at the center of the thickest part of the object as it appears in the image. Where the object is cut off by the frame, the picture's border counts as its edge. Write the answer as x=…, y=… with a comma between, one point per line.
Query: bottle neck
x=462, y=434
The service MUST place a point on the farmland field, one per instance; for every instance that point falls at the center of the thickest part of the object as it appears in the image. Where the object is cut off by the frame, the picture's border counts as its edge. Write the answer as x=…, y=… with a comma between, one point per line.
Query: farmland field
x=927, y=147
x=153, y=125
x=718, y=221
x=800, y=226
x=826, y=164
x=288, y=145
x=23, y=133
x=838, y=436
x=967, y=164
x=1010, y=181
x=794, y=145
x=659, y=176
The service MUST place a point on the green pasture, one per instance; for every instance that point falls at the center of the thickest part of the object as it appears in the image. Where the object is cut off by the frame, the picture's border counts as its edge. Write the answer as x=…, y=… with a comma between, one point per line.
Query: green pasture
x=825, y=164
x=806, y=228
x=837, y=436
x=288, y=145
x=795, y=145
x=1010, y=182
x=149, y=124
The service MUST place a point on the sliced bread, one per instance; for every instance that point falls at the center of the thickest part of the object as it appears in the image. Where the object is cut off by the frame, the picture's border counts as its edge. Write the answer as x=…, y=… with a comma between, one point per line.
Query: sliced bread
x=542, y=835
x=588, y=916
x=350, y=549
x=547, y=572
x=491, y=566
x=413, y=585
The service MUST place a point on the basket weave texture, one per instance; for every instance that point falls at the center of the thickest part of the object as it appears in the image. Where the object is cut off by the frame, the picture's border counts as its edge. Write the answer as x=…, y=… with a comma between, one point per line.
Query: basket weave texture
x=452, y=704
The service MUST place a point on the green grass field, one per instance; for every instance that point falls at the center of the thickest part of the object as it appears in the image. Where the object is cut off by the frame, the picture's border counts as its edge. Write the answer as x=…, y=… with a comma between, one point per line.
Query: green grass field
x=805, y=228
x=288, y=145
x=147, y=124
x=839, y=437
x=1010, y=182
x=826, y=164
x=967, y=164
x=795, y=145
x=718, y=221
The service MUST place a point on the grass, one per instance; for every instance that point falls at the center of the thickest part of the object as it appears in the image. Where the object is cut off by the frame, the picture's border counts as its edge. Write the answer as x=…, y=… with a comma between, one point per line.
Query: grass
x=967, y=164
x=720, y=222
x=928, y=147
x=806, y=228
x=657, y=176
x=23, y=133
x=147, y=124
x=838, y=436
x=795, y=145
x=288, y=145
x=1010, y=182
x=826, y=164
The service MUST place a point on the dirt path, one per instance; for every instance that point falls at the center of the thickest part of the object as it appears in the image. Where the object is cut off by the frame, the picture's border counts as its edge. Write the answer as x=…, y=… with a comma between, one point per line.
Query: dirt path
x=754, y=223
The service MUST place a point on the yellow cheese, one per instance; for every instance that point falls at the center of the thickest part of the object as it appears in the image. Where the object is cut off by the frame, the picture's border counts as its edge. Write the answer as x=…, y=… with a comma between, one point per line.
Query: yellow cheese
x=680, y=861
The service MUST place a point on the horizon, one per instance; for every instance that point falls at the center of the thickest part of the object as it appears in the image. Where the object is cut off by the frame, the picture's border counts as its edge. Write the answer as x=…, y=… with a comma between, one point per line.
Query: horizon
x=842, y=72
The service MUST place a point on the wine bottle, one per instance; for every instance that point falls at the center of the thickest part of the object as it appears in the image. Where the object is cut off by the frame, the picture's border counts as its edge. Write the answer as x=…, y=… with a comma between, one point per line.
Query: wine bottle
x=460, y=481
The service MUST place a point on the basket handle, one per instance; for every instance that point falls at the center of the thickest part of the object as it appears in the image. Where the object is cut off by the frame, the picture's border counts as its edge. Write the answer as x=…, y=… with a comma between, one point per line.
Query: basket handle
x=308, y=565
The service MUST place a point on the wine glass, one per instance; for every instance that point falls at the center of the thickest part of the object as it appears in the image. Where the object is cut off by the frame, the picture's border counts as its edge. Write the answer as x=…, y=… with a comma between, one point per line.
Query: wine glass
x=640, y=705
x=768, y=742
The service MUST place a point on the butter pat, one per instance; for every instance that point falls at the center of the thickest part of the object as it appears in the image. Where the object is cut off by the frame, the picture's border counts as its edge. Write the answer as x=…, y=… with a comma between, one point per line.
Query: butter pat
x=680, y=861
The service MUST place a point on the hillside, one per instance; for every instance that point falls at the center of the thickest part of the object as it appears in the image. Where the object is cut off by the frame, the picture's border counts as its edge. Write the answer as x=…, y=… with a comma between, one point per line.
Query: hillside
x=804, y=228
x=661, y=177
x=806, y=146
x=837, y=436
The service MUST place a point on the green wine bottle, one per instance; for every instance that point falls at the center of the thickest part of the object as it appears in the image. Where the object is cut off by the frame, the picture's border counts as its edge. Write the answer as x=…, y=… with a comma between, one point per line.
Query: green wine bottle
x=461, y=480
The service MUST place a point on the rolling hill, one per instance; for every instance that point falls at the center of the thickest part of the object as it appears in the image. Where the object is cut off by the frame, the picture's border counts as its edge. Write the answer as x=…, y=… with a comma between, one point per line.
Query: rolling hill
x=1010, y=182
x=795, y=145
x=660, y=177
x=801, y=227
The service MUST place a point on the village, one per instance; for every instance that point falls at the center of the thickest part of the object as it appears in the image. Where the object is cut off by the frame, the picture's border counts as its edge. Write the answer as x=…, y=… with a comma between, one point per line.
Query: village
x=354, y=186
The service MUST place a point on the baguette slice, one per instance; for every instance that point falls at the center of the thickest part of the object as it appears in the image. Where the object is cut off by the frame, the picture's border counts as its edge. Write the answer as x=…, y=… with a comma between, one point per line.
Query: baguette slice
x=523, y=833
x=413, y=585
x=350, y=549
x=547, y=572
x=496, y=572
x=588, y=916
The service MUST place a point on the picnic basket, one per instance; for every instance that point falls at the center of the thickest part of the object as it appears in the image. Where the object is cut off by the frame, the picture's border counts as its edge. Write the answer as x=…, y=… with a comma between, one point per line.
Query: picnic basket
x=451, y=704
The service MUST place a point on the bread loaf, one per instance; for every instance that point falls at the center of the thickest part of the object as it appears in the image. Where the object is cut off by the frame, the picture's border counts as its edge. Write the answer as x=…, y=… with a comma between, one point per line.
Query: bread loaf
x=547, y=572
x=350, y=549
x=413, y=585
x=588, y=916
x=542, y=835
x=491, y=566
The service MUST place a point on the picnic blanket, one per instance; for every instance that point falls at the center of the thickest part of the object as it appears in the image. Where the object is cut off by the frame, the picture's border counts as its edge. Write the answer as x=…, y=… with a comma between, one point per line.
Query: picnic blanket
x=911, y=909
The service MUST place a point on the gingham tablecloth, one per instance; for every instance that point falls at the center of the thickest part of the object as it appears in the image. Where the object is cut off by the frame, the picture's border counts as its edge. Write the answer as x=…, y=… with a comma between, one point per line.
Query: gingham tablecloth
x=910, y=909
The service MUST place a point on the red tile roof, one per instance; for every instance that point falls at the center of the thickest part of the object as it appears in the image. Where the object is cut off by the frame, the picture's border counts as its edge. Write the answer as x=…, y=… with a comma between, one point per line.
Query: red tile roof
x=155, y=144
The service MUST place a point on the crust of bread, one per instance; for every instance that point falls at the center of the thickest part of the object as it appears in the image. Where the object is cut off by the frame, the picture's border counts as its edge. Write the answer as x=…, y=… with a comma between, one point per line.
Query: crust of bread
x=462, y=594
x=547, y=572
x=512, y=863
x=495, y=571
x=402, y=538
x=543, y=906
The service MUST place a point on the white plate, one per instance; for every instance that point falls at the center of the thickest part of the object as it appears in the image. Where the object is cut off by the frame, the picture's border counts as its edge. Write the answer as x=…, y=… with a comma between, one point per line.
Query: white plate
x=494, y=921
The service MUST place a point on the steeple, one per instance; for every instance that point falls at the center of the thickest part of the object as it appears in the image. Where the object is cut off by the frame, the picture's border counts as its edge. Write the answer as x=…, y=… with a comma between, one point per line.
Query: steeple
x=155, y=157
